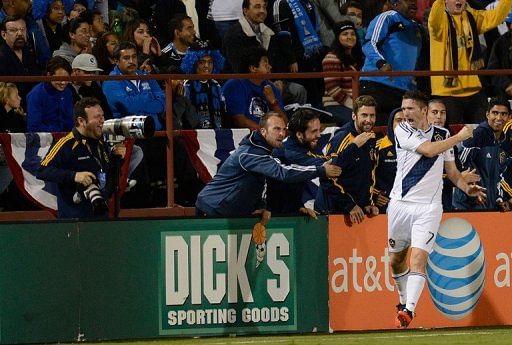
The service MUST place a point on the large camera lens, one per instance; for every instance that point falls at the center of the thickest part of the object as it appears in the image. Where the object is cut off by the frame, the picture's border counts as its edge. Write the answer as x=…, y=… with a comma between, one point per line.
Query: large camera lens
x=136, y=127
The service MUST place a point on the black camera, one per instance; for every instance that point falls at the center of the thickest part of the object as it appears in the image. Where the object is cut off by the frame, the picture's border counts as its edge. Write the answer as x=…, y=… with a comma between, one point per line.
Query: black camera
x=92, y=193
x=136, y=127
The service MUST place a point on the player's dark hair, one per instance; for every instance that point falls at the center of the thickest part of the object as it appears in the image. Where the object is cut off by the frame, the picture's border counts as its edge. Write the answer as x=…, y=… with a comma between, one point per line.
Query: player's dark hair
x=498, y=101
x=116, y=54
x=300, y=120
x=176, y=23
x=81, y=105
x=251, y=57
x=417, y=96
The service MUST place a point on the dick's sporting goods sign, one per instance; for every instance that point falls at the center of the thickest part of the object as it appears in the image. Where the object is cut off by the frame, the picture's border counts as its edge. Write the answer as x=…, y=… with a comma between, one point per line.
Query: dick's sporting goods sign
x=210, y=282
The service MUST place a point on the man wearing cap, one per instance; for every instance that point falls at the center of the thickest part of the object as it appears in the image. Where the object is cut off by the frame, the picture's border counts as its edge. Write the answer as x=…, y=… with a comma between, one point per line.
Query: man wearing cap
x=85, y=65
x=393, y=43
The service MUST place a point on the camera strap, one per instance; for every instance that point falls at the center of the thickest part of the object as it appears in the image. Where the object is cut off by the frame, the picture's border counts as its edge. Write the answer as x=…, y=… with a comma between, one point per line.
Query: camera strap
x=96, y=158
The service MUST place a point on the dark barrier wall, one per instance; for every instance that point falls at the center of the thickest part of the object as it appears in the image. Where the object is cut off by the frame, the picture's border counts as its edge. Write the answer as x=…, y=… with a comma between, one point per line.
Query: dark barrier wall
x=152, y=278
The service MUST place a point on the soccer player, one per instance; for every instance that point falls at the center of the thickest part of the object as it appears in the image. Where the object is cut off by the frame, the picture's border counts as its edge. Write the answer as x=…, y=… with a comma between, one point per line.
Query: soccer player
x=415, y=209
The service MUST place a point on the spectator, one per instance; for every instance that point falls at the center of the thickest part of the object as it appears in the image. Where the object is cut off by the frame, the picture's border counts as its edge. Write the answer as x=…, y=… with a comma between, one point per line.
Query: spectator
x=501, y=58
x=79, y=8
x=345, y=55
x=103, y=50
x=237, y=188
x=50, y=104
x=35, y=36
x=77, y=40
x=393, y=43
x=137, y=97
x=149, y=54
x=452, y=21
x=354, y=10
x=488, y=151
x=98, y=26
x=307, y=48
x=354, y=146
x=12, y=117
x=81, y=165
x=183, y=35
x=329, y=16
x=250, y=31
x=224, y=13
x=247, y=100
x=205, y=95
x=86, y=65
x=164, y=11
x=50, y=15
x=16, y=59
x=385, y=169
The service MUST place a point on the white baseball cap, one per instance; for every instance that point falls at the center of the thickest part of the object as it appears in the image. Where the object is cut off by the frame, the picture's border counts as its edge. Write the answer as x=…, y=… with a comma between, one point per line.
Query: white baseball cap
x=86, y=62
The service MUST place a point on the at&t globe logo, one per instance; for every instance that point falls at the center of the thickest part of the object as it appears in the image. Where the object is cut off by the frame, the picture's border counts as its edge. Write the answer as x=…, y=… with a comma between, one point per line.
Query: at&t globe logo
x=456, y=269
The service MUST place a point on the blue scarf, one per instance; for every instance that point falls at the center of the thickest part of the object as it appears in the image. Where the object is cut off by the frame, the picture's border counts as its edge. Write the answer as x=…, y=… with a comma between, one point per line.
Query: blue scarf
x=307, y=33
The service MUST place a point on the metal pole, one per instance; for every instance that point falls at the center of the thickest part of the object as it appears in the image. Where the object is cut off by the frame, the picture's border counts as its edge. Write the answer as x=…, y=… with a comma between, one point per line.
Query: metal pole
x=170, y=143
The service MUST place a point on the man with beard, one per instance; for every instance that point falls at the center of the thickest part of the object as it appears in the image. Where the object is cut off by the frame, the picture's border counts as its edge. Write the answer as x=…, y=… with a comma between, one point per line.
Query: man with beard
x=238, y=187
x=350, y=193
x=16, y=59
x=80, y=164
x=300, y=148
x=489, y=153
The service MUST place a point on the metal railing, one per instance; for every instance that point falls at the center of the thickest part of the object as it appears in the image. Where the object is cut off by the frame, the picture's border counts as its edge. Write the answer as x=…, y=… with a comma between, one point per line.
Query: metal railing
x=169, y=133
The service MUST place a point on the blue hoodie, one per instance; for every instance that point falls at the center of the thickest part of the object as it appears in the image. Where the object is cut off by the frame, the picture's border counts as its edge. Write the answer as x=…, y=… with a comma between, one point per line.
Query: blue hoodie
x=125, y=98
x=237, y=188
x=49, y=110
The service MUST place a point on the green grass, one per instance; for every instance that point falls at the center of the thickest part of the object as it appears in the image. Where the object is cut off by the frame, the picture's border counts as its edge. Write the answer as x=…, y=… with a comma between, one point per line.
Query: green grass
x=480, y=336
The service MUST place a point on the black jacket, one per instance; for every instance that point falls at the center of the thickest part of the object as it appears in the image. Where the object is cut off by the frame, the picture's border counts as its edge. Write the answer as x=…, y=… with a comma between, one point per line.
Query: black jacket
x=11, y=65
x=74, y=153
x=353, y=186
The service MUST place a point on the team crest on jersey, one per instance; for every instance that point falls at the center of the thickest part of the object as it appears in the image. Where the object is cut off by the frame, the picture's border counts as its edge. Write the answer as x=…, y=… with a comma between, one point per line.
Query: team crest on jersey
x=390, y=154
x=503, y=157
x=438, y=137
x=372, y=154
x=391, y=243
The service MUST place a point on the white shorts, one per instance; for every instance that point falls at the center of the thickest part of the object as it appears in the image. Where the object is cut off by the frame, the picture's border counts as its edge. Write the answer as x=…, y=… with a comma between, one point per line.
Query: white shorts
x=412, y=225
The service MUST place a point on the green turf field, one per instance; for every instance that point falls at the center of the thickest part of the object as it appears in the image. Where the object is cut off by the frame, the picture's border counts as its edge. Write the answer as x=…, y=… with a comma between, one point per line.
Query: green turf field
x=481, y=336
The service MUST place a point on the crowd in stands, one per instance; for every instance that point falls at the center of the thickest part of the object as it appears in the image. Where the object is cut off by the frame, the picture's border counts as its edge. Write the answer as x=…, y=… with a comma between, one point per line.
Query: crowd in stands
x=134, y=37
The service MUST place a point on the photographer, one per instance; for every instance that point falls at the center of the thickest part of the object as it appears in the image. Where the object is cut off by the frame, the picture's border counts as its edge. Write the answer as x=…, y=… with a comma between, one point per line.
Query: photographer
x=81, y=165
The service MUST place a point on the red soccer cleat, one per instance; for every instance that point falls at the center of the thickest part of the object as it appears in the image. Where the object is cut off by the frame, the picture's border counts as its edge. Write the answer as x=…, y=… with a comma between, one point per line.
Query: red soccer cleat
x=404, y=318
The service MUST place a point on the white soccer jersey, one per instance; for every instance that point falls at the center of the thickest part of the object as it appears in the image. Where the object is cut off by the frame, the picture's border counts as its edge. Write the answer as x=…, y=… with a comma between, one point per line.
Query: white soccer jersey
x=419, y=178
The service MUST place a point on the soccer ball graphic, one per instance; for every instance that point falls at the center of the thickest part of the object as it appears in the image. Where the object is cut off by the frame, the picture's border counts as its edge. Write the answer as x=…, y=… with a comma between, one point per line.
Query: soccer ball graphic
x=456, y=269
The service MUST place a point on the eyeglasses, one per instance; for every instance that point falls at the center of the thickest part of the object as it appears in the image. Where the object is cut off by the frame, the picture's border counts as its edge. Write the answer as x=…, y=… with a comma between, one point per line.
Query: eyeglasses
x=16, y=30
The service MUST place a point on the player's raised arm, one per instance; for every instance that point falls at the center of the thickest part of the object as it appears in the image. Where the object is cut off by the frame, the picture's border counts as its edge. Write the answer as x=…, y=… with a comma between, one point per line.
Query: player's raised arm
x=433, y=148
